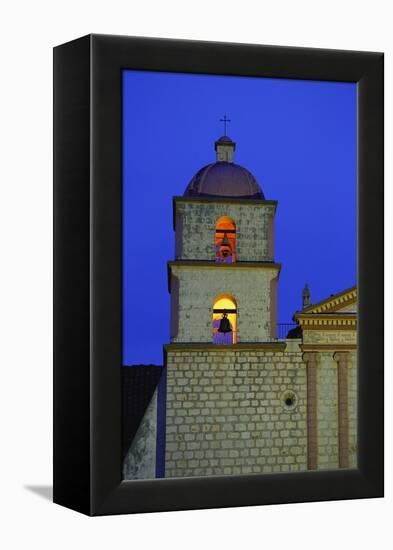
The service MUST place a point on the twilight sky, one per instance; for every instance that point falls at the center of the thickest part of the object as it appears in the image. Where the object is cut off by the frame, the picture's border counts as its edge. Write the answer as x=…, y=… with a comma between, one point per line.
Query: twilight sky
x=299, y=140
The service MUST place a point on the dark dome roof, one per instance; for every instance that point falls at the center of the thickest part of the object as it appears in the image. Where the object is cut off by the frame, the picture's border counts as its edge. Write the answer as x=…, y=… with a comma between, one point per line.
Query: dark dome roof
x=224, y=139
x=224, y=179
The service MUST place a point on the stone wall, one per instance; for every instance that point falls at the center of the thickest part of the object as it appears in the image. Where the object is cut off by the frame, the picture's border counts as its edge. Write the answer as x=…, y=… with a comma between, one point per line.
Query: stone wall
x=196, y=225
x=140, y=461
x=332, y=337
x=199, y=287
x=226, y=411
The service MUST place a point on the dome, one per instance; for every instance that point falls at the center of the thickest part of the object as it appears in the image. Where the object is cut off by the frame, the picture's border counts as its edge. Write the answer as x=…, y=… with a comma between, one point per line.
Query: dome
x=224, y=178
x=224, y=139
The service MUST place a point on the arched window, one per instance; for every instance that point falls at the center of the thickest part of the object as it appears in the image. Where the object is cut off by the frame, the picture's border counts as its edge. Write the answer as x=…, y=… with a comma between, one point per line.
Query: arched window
x=224, y=320
x=225, y=240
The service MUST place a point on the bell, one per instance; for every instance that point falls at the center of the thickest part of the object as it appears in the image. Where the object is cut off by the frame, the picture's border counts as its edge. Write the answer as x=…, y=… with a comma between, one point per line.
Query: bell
x=225, y=241
x=225, y=325
x=225, y=252
x=225, y=247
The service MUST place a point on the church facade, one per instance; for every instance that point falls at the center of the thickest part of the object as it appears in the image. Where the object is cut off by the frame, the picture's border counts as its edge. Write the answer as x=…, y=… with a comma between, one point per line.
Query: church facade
x=232, y=397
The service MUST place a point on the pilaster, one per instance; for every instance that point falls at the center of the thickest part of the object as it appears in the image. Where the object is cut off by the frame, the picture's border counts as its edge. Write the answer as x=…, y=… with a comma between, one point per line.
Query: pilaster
x=311, y=360
x=341, y=359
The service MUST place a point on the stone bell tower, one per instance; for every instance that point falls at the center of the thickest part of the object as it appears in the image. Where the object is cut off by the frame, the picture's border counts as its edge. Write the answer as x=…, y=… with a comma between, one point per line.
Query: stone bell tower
x=224, y=361
x=224, y=251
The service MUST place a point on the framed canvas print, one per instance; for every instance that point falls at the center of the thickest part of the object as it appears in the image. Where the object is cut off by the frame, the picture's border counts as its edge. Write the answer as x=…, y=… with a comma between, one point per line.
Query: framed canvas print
x=218, y=296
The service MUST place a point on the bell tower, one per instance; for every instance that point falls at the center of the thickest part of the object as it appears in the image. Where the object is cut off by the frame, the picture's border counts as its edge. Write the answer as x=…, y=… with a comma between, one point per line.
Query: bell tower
x=224, y=250
x=226, y=371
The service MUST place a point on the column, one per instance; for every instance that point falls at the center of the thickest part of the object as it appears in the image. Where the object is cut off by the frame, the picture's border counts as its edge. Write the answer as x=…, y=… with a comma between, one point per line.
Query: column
x=343, y=436
x=311, y=359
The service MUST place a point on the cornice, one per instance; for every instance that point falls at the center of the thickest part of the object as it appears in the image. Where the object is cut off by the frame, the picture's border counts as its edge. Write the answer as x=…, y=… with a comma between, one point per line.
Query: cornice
x=328, y=321
x=212, y=264
x=328, y=347
x=225, y=200
x=208, y=346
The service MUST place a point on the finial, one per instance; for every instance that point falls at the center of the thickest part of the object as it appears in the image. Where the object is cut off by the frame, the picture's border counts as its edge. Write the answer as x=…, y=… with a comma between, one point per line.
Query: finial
x=306, y=296
x=224, y=146
x=225, y=120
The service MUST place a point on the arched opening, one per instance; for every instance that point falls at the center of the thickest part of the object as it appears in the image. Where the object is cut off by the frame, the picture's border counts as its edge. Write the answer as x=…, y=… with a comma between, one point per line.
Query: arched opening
x=224, y=320
x=225, y=240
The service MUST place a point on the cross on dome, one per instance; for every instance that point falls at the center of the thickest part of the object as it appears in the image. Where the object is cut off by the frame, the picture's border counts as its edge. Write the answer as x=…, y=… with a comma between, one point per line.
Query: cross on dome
x=225, y=120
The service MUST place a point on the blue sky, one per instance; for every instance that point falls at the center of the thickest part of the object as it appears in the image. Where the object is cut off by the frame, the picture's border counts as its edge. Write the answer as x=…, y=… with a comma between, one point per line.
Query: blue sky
x=299, y=140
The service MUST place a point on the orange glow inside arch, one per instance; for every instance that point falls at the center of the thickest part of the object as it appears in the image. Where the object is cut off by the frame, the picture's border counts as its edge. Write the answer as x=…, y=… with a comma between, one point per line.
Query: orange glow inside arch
x=225, y=240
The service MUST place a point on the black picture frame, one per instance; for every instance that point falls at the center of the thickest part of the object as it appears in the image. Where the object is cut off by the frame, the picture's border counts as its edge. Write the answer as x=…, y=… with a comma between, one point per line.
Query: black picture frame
x=88, y=273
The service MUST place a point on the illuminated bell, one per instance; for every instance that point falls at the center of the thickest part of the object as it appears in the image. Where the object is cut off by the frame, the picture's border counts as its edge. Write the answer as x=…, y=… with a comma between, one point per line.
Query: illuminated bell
x=225, y=325
x=225, y=247
x=225, y=241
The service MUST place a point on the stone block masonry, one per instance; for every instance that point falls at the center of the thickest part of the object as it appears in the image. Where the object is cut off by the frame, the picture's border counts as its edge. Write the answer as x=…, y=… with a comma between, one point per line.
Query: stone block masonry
x=140, y=460
x=228, y=411
x=196, y=225
x=198, y=287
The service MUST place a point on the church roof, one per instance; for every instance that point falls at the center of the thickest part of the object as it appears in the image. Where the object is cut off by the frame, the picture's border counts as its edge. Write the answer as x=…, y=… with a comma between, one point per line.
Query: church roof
x=334, y=303
x=336, y=312
x=224, y=178
x=225, y=139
